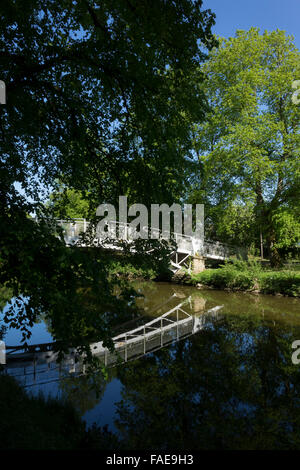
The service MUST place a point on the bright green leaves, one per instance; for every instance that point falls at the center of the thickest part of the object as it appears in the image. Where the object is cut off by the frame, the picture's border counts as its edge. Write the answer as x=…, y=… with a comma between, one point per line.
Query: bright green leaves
x=251, y=136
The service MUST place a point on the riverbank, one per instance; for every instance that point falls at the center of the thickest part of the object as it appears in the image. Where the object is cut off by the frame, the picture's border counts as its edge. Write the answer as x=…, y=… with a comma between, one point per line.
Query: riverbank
x=248, y=277
x=244, y=276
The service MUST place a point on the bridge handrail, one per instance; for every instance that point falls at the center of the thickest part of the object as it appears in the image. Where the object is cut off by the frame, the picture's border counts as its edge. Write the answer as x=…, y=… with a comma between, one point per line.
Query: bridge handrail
x=122, y=224
x=127, y=224
x=207, y=242
x=218, y=243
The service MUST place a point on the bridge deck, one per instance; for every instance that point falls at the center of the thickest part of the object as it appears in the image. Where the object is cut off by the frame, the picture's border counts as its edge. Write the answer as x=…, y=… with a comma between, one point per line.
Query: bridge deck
x=186, y=244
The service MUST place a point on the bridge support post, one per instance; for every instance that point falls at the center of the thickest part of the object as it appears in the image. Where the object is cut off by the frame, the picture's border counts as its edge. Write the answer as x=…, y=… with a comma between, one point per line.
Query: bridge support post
x=2, y=353
x=198, y=264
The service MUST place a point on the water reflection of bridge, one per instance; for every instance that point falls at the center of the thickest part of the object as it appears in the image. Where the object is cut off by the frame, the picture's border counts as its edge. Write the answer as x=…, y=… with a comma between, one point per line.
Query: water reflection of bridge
x=38, y=364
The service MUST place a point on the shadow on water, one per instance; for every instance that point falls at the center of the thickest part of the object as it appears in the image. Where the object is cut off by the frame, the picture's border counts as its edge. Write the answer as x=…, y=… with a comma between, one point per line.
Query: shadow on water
x=230, y=386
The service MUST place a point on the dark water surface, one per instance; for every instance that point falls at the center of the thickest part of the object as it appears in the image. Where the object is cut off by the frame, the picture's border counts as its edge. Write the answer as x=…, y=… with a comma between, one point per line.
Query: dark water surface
x=230, y=385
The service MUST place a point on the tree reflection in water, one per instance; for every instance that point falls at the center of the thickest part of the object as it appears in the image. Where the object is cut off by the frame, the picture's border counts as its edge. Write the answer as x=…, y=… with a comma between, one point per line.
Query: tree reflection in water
x=233, y=386
x=230, y=386
x=83, y=392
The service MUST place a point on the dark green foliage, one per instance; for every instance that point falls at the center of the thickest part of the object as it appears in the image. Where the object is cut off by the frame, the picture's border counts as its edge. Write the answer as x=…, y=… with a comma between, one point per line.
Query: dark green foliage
x=30, y=422
x=35, y=423
x=101, y=439
x=99, y=98
x=133, y=266
x=5, y=296
x=101, y=94
x=54, y=280
x=230, y=278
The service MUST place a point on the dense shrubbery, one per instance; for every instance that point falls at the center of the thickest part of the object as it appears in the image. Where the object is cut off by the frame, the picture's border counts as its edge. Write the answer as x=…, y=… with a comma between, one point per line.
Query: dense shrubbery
x=283, y=282
x=127, y=267
x=225, y=278
x=136, y=265
x=241, y=275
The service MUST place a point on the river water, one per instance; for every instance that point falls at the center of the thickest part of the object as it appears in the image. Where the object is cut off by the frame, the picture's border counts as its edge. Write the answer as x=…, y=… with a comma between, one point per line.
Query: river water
x=228, y=384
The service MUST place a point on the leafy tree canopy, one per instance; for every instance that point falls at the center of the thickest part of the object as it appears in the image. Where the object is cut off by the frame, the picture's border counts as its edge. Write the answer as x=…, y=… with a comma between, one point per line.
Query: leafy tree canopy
x=248, y=148
x=67, y=203
x=100, y=96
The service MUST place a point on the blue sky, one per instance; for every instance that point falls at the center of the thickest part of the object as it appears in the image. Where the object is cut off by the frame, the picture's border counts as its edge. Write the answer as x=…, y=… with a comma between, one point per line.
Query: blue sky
x=264, y=14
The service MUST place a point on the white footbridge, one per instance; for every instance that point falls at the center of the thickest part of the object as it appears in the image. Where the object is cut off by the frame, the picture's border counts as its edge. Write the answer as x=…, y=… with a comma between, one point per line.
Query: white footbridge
x=187, y=246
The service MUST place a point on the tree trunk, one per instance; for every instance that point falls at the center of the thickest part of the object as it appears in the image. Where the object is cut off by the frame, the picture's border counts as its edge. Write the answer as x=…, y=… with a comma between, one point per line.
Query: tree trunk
x=275, y=258
x=261, y=245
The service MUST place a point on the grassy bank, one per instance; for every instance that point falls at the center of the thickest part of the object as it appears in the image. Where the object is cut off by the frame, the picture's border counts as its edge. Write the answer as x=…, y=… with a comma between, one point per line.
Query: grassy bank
x=251, y=277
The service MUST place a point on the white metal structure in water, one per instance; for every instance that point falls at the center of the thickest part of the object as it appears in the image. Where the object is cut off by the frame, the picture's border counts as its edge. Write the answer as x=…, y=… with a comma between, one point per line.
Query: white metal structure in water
x=38, y=363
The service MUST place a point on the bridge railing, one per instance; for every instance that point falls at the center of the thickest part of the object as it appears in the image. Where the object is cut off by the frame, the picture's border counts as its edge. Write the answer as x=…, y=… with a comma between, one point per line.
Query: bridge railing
x=123, y=231
x=185, y=243
x=72, y=230
x=218, y=250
